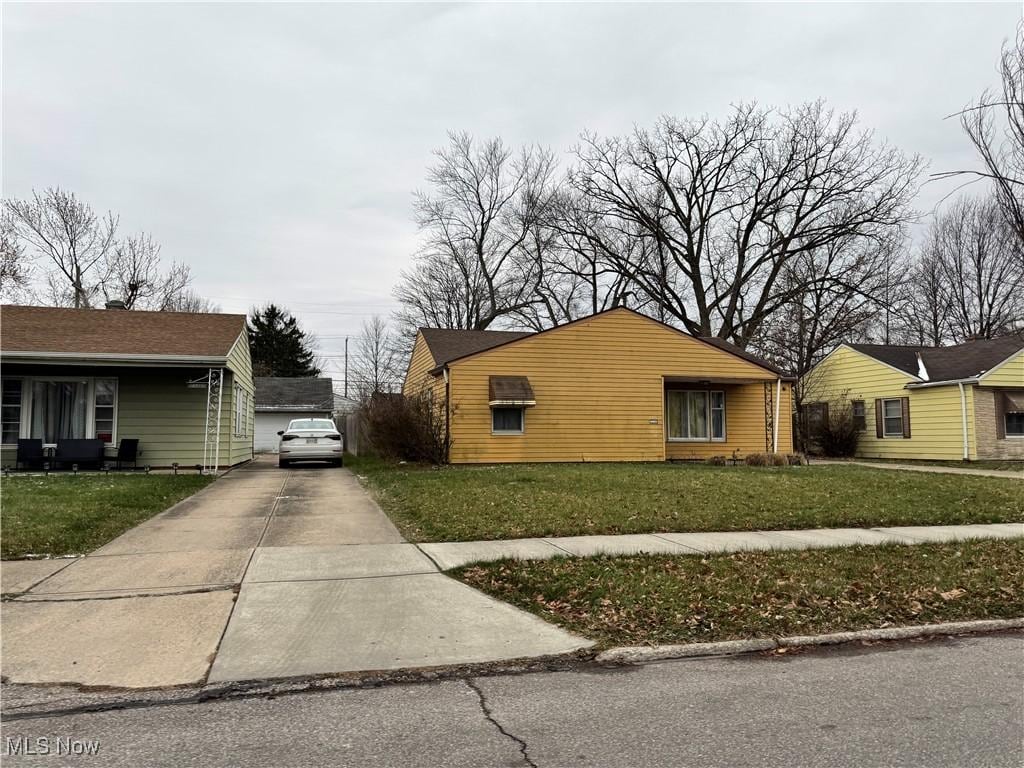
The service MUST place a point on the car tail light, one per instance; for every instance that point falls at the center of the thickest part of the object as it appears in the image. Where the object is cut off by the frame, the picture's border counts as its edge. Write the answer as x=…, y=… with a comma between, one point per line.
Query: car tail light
x=335, y=437
x=287, y=437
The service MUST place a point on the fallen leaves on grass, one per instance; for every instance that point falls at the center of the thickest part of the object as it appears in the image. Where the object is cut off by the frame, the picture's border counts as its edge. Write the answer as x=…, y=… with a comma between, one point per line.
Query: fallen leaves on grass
x=652, y=599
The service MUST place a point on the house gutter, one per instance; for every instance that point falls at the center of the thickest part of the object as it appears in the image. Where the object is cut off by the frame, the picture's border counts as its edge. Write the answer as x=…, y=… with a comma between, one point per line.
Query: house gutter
x=775, y=423
x=447, y=416
x=926, y=384
x=77, y=358
x=963, y=417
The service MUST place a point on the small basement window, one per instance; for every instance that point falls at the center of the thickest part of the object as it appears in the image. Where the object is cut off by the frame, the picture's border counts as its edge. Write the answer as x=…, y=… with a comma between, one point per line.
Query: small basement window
x=507, y=421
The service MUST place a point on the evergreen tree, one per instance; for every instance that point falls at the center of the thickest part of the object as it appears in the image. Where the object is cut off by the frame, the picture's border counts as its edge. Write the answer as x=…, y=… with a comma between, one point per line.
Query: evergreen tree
x=277, y=344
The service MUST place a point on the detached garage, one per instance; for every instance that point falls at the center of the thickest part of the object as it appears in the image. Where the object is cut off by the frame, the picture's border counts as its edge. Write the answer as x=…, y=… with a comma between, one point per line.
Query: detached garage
x=279, y=400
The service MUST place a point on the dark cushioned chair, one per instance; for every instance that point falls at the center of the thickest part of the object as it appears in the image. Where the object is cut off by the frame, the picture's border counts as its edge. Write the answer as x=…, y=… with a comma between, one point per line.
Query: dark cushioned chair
x=128, y=450
x=84, y=453
x=30, y=454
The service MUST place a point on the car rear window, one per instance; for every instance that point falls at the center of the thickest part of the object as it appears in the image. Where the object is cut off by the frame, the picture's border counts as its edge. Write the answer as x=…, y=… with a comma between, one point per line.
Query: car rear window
x=311, y=424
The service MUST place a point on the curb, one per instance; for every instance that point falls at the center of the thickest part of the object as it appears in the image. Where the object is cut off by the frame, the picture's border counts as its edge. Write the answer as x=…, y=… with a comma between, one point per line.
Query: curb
x=642, y=654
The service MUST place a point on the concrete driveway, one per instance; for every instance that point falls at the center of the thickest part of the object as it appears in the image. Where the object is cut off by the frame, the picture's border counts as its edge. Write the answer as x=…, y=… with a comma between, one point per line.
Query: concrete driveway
x=265, y=573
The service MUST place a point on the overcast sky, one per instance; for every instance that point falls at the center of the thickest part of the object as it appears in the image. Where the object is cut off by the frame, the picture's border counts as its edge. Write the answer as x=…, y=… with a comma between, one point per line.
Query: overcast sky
x=274, y=147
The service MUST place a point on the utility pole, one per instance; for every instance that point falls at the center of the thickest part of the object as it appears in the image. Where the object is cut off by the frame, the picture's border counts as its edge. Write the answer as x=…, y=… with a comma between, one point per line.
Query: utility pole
x=346, y=367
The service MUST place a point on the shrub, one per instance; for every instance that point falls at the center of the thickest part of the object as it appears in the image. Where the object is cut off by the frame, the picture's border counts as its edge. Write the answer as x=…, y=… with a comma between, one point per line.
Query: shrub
x=403, y=428
x=715, y=461
x=777, y=460
x=837, y=434
x=796, y=459
x=756, y=459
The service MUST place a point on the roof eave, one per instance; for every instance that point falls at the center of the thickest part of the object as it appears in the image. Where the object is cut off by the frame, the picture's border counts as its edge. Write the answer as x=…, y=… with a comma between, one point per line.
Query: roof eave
x=107, y=358
x=304, y=408
x=946, y=383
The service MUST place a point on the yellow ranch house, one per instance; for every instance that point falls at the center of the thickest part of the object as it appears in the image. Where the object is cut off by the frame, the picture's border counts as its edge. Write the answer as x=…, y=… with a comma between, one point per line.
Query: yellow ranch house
x=615, y=386
x=958, y=402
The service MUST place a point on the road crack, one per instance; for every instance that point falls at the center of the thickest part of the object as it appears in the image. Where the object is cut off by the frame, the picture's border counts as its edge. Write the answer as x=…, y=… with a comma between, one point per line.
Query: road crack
x=522, y=745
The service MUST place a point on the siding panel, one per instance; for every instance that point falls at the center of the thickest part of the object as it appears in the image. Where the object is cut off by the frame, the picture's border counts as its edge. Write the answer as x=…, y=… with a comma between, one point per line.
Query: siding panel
x=935, y=413
x=599, y=386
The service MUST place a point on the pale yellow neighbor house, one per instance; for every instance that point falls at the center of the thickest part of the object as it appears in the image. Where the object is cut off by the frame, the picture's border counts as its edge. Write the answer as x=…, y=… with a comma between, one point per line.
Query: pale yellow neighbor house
x=615, y=386
x=958, y=402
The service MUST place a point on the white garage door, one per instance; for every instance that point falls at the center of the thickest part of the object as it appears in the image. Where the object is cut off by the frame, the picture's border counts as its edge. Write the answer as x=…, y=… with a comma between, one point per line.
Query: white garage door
x=268, y=425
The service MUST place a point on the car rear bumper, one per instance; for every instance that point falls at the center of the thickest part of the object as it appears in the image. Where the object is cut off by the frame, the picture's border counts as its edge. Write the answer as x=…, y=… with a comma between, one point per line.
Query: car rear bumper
x=304, y=452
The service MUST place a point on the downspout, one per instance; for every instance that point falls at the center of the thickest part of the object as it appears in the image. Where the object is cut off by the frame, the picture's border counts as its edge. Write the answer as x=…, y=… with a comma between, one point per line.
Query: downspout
x=775, y=423
x=963, y=417
x=447, y=417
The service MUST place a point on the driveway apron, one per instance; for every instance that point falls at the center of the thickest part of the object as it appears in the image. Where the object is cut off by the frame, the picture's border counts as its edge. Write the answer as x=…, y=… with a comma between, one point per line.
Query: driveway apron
x=333, y=587
x=325, y=583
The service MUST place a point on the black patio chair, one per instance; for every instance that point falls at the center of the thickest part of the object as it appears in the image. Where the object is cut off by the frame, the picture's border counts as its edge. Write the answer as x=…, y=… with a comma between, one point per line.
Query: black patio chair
x=30, y=454
x=128, y=450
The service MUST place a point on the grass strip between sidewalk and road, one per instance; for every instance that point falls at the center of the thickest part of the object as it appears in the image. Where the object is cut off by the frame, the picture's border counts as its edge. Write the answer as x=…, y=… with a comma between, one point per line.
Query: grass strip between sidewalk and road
x=73, y=514
x=668, y=599
x=466, y=503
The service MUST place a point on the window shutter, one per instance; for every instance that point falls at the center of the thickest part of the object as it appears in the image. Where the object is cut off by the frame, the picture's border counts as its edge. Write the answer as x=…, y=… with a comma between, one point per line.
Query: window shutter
x=1000, y=398
x=824, y=415
x=879, y=425
x=905, y=404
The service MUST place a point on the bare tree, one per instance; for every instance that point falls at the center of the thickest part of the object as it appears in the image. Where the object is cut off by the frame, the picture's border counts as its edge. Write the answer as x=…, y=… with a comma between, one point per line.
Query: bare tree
x=15, y=267
x=837, y=293
x=134, y=275
x=190, y=301
x=476, y=263
x=66, y=233
x=728, y=205
x=980, y=269
x=82, y=259
x=995, y=125
x=376, y=365
x=578, y=276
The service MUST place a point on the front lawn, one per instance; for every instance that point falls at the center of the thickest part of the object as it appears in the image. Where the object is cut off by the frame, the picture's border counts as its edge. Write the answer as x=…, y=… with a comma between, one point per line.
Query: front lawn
x=648, y=599
x=69, y=514
x=516, y=501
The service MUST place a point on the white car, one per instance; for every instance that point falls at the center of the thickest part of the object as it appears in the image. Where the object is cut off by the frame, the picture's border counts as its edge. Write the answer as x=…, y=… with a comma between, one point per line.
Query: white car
x=309, y=440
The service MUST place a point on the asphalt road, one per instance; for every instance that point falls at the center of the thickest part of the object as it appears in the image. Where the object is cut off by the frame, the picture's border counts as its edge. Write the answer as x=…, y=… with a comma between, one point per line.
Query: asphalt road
x=940, y=703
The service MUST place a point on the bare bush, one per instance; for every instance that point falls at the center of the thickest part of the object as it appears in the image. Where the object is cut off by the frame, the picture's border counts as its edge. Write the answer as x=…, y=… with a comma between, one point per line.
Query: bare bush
x=407, y=428
x=838, y=434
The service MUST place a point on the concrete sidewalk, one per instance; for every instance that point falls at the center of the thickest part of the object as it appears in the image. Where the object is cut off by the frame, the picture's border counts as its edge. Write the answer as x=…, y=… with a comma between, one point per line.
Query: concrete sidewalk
x=933, y=468
x=457, y=553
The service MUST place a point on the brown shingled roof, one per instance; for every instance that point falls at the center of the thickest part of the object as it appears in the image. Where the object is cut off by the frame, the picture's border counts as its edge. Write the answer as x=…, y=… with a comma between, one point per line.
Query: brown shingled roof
x=117, y=332
x=960, y=361
x=447, y=344
x=278, y=392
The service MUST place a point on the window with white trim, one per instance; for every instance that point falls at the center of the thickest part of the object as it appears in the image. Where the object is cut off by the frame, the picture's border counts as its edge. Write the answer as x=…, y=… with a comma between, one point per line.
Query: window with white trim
x=10, y=411
x=695, y=414
x=507, y=421
x=892, y=418
x=859, y=415
x=104, y=398
x=241, y=411
x=58, y=408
